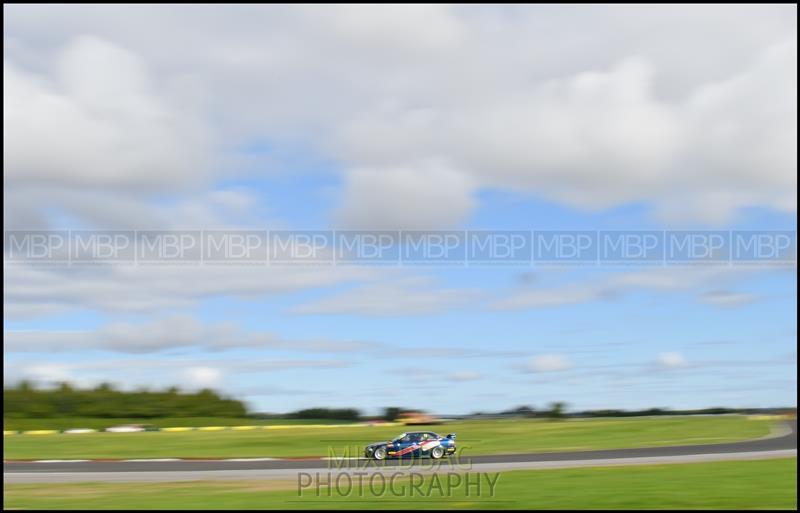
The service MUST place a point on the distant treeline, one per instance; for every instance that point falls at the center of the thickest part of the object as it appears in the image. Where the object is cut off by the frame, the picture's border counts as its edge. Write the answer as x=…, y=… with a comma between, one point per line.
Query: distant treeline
x=104, y=401
x=327, y=413
x=659, y=411
x=528, y=411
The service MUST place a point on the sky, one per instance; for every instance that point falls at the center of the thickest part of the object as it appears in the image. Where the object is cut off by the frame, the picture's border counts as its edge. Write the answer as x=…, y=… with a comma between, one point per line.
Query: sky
x=405, y=119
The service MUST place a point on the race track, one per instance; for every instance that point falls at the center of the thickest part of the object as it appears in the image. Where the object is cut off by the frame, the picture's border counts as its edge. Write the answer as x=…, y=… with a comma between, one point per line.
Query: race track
x=780, y=444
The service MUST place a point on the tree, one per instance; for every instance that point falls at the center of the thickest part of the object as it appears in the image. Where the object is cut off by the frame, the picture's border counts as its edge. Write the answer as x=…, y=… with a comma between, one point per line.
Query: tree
x=327, y=413
x=391, y=413
x=24, y=386
x=105, y=402
x=525, y=411
x=104, y=387
x=556, y=410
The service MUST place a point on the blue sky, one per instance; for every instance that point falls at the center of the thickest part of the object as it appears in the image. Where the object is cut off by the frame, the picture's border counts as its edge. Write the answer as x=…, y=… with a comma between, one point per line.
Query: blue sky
x=423, y=122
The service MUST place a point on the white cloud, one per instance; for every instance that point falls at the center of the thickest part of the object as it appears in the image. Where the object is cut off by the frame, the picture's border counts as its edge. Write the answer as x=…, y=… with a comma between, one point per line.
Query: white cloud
x=411, y=29
x=672, y=360
x=696, y=120
x=49, y=373
x=96, y=122
x=548, y=363
x=617, y=284
x=556, y=139
x=203, y=377
x=551, y=297
x=727, y=298
x=417, y=195
x=165, y=333
x=142, y=288
x=463, y=376
x=597, y=139
x=415, y=295
x=230, y=375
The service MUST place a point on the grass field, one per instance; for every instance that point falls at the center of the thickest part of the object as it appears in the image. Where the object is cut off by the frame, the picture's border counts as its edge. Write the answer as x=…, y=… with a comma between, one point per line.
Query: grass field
x=768, y=484
x=61, y=423
x=474, y=437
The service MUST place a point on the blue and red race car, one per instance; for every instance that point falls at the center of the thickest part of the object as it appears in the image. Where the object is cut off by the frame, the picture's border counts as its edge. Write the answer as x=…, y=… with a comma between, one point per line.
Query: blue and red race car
x=414, y=444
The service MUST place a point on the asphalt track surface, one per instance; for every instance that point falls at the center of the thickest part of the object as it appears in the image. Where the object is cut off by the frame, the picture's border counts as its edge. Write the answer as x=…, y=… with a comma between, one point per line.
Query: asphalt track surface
x=783, y=443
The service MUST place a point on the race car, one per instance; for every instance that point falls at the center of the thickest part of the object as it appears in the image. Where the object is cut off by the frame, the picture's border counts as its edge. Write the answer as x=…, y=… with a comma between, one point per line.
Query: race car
x=413, y=444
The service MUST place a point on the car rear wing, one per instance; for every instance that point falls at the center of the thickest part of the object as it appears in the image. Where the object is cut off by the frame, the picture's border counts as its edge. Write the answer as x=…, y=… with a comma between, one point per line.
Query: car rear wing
x=451, y=436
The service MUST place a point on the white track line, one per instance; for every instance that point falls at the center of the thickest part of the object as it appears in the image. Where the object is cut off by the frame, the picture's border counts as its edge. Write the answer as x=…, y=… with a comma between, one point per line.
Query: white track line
x=153, y=460
x=248, y=459
x=59, y=461
x=144, y=460
x=194, y=475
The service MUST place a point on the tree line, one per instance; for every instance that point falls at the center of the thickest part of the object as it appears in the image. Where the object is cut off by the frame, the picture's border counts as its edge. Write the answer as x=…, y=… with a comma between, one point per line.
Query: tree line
x=558, y=410
x=327, y=413
x=103, y=401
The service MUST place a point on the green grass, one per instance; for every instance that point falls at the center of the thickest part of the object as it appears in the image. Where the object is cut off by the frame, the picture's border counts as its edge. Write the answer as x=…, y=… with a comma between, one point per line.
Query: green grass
x=61, y=423
x=768, y=484
x=474, y=437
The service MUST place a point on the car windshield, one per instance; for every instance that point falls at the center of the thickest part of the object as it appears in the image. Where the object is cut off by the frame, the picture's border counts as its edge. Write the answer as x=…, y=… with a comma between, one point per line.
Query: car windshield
x=399, y=437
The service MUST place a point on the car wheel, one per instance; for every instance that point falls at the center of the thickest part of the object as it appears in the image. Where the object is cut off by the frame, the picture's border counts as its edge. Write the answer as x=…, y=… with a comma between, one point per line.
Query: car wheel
x=437, y=452
x=380, y=453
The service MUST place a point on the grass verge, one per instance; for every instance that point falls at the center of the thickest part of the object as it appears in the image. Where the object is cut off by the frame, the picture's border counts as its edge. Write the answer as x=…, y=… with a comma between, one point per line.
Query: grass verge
x=474, y=438
x=766, y=484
